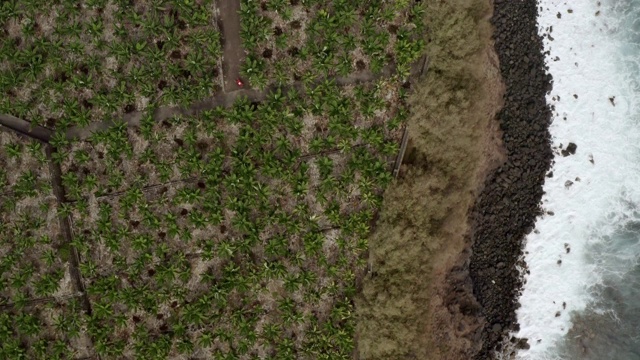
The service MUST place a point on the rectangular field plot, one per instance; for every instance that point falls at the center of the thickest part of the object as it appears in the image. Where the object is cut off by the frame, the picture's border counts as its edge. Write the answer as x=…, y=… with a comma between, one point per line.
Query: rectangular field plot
x=74, y=63
x=243, y=263
x=248, y=203
x=288, y=43
x=238, y=304
x=173, y=216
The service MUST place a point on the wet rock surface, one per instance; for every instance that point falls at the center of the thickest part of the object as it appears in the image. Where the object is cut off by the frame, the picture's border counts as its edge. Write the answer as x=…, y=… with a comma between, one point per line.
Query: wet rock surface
x=506, y=209
x=570, y=150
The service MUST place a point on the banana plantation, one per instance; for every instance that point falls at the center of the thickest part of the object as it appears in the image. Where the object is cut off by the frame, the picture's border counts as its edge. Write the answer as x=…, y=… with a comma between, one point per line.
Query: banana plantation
x=150, y=210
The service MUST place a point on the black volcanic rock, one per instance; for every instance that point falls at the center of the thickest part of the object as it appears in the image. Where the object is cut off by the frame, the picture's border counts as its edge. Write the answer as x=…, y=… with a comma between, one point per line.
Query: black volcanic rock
x=506, y=209
x=570, y=150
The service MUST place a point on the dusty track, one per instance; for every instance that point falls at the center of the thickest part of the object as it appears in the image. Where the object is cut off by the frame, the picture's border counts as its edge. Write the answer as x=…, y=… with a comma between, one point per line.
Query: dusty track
x=233, y=56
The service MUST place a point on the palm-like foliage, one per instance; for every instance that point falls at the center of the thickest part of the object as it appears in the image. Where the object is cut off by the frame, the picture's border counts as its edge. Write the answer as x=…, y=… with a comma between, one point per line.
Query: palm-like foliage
x=253, y=211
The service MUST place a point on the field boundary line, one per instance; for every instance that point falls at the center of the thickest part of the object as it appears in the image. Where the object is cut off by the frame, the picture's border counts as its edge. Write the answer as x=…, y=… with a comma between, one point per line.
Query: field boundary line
x=25, y=128
x=403, y=148
x=65, y=225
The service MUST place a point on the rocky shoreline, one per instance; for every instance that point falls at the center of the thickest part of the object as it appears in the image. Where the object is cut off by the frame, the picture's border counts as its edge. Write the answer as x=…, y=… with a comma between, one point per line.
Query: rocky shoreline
x=506, y=209
x=407, y=308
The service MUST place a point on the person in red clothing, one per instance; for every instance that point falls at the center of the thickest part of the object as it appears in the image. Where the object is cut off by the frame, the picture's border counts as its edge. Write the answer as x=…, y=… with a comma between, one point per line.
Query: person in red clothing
x=239, y=82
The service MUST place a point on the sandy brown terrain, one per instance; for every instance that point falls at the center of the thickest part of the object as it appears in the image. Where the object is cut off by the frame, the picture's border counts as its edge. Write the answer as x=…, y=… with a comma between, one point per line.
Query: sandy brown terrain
x=417, y=300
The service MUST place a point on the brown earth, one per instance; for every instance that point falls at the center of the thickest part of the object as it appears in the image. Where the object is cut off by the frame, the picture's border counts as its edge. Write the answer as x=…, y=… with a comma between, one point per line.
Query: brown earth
x=416, y=301
x=233, y=52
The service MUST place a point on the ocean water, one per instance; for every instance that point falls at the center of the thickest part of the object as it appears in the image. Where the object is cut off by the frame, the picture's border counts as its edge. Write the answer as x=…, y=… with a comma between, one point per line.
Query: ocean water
x=581, y=299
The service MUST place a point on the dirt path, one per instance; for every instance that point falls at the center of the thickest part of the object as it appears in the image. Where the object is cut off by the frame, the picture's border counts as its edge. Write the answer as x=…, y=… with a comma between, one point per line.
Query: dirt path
x=417, y=301
x=233, y=52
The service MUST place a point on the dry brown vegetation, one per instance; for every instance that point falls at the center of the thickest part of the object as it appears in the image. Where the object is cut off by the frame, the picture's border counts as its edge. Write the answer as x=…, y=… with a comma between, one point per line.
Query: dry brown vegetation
x=405, y=310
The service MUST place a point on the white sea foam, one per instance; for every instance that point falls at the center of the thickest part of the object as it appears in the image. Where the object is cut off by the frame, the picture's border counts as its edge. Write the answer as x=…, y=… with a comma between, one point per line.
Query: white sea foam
x=592, y=65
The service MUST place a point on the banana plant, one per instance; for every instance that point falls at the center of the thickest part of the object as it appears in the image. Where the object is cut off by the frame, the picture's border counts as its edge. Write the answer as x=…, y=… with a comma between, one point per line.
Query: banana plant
x=88, y=268
x=13, y=150
x=407, y=51
x=130, y=198
x=198, y=219
x=48, y=283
